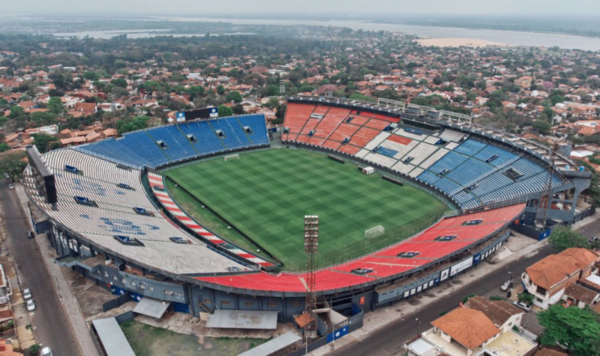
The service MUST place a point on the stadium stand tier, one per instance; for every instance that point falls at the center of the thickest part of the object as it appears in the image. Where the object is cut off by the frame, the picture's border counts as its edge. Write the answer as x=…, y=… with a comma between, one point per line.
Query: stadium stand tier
x=470, y=171
x=162, y=146
x=385, y=263
x=111, y=222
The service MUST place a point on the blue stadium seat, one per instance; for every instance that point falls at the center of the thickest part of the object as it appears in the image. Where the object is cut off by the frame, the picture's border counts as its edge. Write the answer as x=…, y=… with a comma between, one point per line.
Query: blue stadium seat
x=491, y=150
x=207, y=141
x=112, y=150
x=144, y=145
x=235, y=137
x=258, y=125
x=470, y=147
x=448, y=162
x=178, y=146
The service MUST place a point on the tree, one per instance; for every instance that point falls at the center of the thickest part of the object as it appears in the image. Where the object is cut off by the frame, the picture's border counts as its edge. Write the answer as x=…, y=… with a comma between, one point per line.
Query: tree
x=120, y=82
x=42, y=118
x=525, y=298
x=272, y=103
x=45, y=142
x=562, y=238
x=272, y=90
x=55, y=105
x=542, y=126
x=281, y=109
x=578, y=329
x=238, y=109
x=13, y=163
x=132, y=124
x=220, y=90
x=4, y=147
x=16, y=111
x=225, y=111
x=3, y=120
x=234, y=96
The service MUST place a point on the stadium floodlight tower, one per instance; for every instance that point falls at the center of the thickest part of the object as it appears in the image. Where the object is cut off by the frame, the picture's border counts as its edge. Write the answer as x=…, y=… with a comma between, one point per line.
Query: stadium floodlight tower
x=311, y=245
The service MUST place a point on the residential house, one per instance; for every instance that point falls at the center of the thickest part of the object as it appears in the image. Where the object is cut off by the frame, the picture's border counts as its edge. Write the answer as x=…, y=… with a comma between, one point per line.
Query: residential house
x=469, y=331
x=548, y=278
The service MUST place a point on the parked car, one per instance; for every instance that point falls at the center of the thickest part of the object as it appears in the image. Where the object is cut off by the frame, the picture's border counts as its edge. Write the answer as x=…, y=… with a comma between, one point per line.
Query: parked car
x=30, y=305
x=11, y=186
x=504, y=287
x=593, y=240
x=6, y=176
x=522, y=305
x=30, y=234
x=26, y=293
x=46, y=352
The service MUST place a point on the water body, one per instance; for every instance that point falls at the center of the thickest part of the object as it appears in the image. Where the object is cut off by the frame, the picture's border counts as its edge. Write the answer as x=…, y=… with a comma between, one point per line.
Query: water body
x=514, y=38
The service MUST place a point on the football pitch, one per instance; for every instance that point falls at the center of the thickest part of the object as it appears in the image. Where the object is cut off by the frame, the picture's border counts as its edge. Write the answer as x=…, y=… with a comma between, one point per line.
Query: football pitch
x=266, y=195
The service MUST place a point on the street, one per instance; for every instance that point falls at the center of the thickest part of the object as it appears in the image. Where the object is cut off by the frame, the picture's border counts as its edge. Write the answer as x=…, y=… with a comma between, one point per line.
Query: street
x=51, y=326
x=389, y=340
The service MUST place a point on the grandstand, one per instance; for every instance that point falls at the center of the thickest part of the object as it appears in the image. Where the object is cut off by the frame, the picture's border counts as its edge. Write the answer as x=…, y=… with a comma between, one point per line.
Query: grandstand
x=162, y=146
x=117, y=223
x=469, y=170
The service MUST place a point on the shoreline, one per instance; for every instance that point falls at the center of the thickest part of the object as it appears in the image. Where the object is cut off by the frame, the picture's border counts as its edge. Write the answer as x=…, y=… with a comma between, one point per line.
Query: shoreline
x=454, y=42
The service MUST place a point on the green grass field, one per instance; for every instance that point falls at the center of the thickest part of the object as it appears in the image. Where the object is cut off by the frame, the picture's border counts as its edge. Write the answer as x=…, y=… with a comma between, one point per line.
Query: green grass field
x=266, y=194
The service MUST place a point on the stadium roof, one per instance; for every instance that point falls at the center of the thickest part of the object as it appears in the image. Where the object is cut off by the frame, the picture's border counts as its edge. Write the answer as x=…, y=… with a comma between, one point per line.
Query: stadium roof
x=273, y=346
x=243, y=319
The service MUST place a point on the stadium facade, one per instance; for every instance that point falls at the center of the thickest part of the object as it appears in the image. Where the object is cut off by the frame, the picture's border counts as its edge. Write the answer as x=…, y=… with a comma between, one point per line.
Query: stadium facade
x=114, y=222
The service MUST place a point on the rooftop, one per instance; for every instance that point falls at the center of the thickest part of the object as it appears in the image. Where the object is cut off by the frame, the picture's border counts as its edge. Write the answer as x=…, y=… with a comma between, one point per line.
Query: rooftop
x=549, y=271
x=510, y=344
x=471, y=328
x=498, y=311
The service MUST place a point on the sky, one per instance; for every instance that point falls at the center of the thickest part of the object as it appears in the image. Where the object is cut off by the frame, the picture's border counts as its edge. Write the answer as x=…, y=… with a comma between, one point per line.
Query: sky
x=259, y=7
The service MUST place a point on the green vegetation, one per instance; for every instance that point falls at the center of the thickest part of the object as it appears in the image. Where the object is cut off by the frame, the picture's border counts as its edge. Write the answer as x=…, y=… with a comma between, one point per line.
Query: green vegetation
x=578, y=329
x=45, y=142
x=466, y=298
x=147, y=340
x=525, y=298
x=266, y=195
x=132, y=124
x=563, y=237
x=13, y=163
x=225, y=111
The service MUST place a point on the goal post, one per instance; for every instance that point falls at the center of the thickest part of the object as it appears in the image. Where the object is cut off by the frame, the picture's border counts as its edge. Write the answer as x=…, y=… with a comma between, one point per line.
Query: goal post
x=230, y=157
x=374, y=232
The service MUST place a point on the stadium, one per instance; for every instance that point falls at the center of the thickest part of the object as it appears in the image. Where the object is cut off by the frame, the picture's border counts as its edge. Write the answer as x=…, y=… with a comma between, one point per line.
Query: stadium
x=208, y=214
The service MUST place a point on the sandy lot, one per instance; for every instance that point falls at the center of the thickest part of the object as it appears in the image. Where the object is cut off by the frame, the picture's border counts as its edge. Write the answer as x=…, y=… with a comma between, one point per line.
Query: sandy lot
x=458, y=42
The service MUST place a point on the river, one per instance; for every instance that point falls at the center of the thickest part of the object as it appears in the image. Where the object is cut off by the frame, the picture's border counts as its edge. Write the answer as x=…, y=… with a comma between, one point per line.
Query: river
x=514, y=38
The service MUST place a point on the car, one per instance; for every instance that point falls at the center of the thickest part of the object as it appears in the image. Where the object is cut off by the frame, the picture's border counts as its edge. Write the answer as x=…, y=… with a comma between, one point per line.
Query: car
x=522, y=305
x=505, y=286
x=26, y=293
x=30, y=305
x=46, y=352
x=11, y=186
x=6, y=176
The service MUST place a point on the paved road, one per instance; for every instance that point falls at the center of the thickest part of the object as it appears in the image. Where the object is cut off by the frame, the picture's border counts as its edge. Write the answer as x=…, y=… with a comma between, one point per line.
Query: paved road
x=388, y=341
x=52, y=327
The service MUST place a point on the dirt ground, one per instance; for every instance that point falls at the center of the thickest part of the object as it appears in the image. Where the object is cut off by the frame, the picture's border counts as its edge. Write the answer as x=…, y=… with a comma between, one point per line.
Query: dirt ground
x=147, y=340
